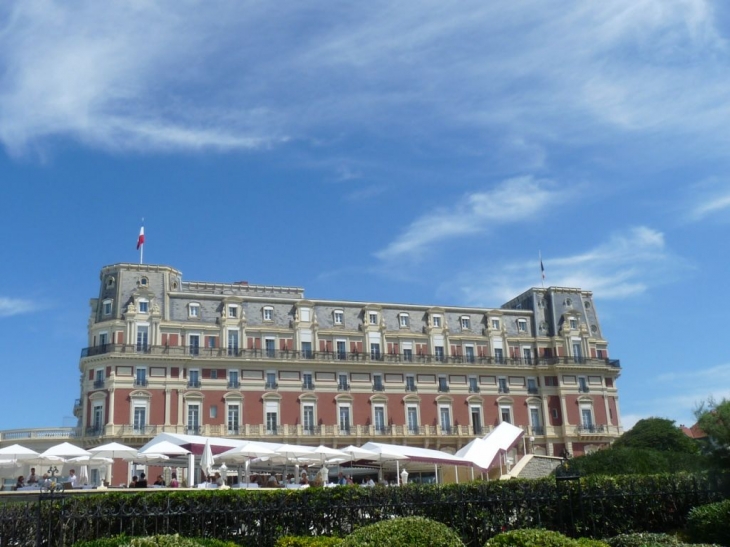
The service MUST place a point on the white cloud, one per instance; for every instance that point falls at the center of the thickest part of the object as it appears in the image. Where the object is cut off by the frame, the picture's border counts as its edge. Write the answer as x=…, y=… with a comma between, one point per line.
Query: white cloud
x=514, y=200
x=627, y=264
x=708, y=198
x=16, y=306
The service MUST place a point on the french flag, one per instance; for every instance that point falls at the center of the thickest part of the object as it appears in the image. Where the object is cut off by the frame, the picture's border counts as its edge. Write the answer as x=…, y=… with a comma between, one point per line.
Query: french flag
x=140, y=239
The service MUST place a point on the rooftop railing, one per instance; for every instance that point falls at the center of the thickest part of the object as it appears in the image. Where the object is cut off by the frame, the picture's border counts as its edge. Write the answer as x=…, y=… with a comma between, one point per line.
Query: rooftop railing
x=292, y=355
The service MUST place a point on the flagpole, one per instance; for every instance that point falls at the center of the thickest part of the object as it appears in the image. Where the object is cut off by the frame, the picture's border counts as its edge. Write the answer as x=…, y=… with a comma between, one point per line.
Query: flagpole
x=141, y=247
x=542, y=269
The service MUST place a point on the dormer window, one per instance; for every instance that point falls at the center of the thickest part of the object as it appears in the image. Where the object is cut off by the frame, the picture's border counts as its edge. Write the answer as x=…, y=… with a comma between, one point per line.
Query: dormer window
x=194, y=310
x=109, y=282
x=268, y=312
x=338, y=317
x=144, y=306
x=404, y=320
x=305, y=314
x=465, y=322
x=144, y=281
x=436, y=321
x=106, y=307
x=573, y=323
x=232, y=312
x=495, y=324
x=522, y=325
x=373, y=318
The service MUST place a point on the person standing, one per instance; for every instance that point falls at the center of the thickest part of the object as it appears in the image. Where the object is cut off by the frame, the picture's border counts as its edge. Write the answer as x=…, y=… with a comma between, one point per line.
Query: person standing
x=142, y=482
x=32, y=478
x=72, y=478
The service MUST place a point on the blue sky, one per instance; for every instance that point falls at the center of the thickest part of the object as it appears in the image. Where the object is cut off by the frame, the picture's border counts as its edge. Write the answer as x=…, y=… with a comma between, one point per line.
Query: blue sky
x=412, y=152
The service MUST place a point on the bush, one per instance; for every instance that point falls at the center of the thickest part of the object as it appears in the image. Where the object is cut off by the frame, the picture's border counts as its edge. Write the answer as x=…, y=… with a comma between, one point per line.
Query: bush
x=404, y=532
x=308, y=541
x=643, y=540
x=531, y=537
x=155, y=541
x=588, y=542
x=710, y=523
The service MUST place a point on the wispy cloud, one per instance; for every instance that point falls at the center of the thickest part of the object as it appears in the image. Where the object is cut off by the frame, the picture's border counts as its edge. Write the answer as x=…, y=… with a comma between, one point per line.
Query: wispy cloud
x=16, y=306
x=514, y=200
x=707, y=199
x=629, y=263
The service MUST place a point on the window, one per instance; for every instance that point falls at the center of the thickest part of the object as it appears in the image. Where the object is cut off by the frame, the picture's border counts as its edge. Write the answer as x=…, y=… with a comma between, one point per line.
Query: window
x=443, y=384
x=522, y=325
x=503, y=387
x=445, y=418
x=527, y=355
x=232, y=312
x=140, y=418
x=344, y=413
x=142, y=337
x=573, y=323
x=495, y=324
x=97, y=417
x=404, y=320
x=577, y=352
x=193, y=426
x=99, y=378
x=586, y=417
x=271, y=380
x=342, y=383
x=438, y=352
x=554, y=413
x=601, y=353
x=339, y=317
x=412, y=418
x=535, y=421
x=408, y=351
x=107, y=307
x=341, y=350
x=532, y=386
x=465, y=322
x=473, y=385
x=375, y=351
x=211, y=341
x=410, y=382
x=498, y=355
x=379, y=418
x=373, y=318
x=194, y=378
x=270, y=344
x=144, y=281
x=194, y=344
x=214, y=374
x=213, y=411
x=505, y=413
x=436, y=321
x=475, y=412
x=307, y=350
x=232, y=342
x=103, y=338
x=144, y=306
x=109, y=282
x=583, y=385
x=233, y=419
x=233, y=379
x=305, y=314
x=308, y=418
x=268, y=313
x=140, y=376
x=272, y=417
x=469, y=354
x=378, y=382
x=194, y=310
x=307, y=382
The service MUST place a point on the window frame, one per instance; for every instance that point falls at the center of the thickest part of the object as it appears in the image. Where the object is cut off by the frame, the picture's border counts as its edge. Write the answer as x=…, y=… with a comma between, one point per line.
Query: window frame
x=107, y=306
x=404, y=320
x=267, y=314
x=465, y=322
x=193, y=310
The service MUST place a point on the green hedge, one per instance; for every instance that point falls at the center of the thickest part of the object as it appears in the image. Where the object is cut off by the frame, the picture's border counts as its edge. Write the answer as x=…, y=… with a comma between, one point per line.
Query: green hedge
x=404, y=532
x=530, y=537
x=710, y=523
x=592, y=507
x=308, y=541
x=155, y=541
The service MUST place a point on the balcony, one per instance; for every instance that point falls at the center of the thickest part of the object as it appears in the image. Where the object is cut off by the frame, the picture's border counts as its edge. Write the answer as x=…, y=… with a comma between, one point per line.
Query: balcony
x=192, y=430
x=377, y=386
x=474, y=389
x=137, y=430
x=98, y=384
x=443, y=388
x=343, y=387
x=234, y=384
x=590, y=429
x=537, y=430
x=78, y=408
x=194, y=383
x=140, y=382
x=232, y=431
x=271, y=385
x=290, y=355
x=94, y=431
x=308, y=386
x=503, y=389
x=533, y=390
x=411, y=388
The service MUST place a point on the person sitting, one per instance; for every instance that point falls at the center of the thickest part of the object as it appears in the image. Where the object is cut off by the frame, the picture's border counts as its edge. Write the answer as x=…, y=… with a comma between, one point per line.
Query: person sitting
x=32, y=478
x=341, y=479
x=305, y=479
x=133, y=484
x=173, y=481
x=45, y=480
x=20, y=483
x=349, y=480
x=160, y=481
x=142, y=482
x=271, y=482
x=217, y=479
x=72, y=478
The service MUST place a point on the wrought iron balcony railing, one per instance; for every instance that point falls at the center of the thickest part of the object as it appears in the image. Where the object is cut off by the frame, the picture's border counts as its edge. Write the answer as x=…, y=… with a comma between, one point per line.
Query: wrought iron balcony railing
x=283, y=355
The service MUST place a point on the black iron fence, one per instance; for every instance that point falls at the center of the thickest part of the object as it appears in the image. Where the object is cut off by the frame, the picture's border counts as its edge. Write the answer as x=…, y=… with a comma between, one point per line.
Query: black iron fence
x=599, y=507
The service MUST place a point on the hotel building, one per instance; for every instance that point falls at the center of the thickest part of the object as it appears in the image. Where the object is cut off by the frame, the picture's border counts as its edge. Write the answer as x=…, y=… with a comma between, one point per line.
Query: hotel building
x=263, y=362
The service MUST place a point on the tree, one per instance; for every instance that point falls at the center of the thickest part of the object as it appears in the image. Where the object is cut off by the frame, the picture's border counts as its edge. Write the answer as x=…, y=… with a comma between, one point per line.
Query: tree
x=657, y=434
x=714, y=419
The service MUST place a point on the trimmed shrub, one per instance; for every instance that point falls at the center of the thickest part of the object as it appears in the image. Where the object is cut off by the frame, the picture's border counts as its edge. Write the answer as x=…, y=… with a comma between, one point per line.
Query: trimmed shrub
x=530, y=537
x=588, y=542
x=155, y=541
x=404, y=532
x=308, y=541
x=710, y=523
x=643, y=540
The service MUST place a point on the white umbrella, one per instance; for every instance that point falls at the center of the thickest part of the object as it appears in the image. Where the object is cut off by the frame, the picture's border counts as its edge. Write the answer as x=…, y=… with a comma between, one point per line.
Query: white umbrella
x=206, y=460
x=66, y=450
x=83, y=475
x=90, y=460
x=40, y=459
x=243, y=453
x=357, y=453
x=9, y=464
x=165, y=447
x=113, y=450
x=17, y=452
x=326, y=454
x=293, y=452
x=148, y=458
